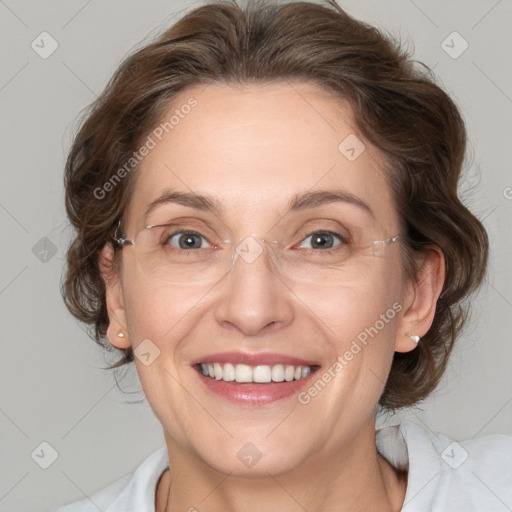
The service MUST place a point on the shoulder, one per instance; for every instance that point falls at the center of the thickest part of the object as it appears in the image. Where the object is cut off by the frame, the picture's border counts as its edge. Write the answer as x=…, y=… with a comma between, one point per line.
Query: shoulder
x=444, y=474
x=134, y=492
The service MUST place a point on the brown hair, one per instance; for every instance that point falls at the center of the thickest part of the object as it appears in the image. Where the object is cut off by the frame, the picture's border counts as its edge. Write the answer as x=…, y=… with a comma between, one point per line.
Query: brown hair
x=397, y=107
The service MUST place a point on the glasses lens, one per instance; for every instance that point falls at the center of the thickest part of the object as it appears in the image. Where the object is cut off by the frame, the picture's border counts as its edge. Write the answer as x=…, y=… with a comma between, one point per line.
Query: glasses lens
x=181, y=257
x=328, y=259
x=186, y=257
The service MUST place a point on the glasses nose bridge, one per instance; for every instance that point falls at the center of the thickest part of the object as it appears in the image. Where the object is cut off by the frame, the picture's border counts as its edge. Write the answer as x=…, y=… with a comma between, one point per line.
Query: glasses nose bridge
x=253, y=247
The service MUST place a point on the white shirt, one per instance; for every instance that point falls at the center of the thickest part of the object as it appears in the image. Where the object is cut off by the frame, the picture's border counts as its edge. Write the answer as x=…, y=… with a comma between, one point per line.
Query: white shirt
x=443, y=475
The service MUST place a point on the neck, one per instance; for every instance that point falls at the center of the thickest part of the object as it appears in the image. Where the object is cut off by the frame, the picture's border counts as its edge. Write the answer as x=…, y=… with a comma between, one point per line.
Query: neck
x=354, y=478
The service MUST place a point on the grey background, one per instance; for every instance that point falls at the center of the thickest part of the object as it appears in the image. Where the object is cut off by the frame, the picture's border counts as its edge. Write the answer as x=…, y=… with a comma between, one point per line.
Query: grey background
x=52, y=387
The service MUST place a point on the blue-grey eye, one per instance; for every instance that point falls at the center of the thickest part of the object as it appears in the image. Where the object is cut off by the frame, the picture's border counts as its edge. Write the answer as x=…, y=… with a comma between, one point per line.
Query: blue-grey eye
x=187, y=240
x=322, y=240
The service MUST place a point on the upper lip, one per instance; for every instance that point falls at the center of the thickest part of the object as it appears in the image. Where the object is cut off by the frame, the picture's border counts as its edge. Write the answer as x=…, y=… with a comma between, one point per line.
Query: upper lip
x=254, y=359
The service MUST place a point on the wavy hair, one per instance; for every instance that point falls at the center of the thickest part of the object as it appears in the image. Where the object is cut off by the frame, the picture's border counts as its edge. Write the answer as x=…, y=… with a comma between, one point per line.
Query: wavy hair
x=397, y=106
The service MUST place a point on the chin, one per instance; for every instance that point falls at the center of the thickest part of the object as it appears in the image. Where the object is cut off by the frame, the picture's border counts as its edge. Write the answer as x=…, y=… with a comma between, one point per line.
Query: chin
x=248, y=459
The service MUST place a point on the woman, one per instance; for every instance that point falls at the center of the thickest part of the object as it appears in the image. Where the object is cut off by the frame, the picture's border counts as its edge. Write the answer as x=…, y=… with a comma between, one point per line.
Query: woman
x=268, y=225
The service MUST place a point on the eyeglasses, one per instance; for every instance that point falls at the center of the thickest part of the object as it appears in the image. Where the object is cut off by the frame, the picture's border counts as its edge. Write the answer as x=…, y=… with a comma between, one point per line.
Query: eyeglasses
x=175, y=253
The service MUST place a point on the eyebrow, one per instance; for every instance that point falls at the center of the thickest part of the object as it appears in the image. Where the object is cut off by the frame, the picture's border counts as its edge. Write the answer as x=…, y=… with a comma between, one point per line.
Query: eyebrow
x=299, y=202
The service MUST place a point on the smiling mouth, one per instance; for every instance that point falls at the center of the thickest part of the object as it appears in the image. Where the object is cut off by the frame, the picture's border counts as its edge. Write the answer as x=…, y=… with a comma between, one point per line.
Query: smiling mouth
x=259, y=374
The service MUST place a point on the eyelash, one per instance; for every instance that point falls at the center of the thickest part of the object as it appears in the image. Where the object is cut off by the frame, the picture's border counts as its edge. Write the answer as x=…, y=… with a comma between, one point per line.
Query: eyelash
x=341, y=239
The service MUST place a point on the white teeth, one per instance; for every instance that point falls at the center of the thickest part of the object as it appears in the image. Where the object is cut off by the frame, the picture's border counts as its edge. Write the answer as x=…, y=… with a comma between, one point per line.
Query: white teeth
x=228, y=373
x=278, y=373
x=217, y=370
x=243, y=373
x=288, y=373
x=260, y=374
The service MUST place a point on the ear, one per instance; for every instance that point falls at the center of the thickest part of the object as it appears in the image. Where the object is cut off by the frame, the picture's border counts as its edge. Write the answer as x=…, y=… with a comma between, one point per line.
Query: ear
x=420, y=300
x=117, y=333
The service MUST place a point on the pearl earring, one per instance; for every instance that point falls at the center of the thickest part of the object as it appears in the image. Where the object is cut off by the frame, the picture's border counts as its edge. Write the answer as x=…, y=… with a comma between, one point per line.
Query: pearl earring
x=120, y=334
x=413, y=337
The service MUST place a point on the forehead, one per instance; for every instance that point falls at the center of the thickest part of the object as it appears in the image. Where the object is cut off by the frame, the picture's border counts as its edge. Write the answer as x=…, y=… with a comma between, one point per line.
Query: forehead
x=253, y=147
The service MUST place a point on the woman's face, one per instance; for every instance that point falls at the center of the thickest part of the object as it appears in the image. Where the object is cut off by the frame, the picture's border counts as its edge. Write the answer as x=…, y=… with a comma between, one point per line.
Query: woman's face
x=252, y=151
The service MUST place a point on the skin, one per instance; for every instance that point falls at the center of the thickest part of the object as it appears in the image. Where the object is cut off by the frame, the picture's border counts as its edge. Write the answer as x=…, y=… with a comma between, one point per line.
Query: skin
x=254, y=147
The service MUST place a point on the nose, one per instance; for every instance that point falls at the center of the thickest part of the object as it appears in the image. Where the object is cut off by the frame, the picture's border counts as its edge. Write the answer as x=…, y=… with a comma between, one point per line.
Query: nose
x=254, y=297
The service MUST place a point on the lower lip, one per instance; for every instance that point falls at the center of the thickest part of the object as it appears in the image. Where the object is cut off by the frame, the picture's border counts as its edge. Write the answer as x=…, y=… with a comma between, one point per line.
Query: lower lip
x=254, y=394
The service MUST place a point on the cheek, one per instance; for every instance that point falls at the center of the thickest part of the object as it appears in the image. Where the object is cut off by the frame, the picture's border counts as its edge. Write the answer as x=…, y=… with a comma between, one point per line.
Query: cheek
x=158, y=311
x=359, y=320
x=155, y=310
x=166, y=316
x=347, y=307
